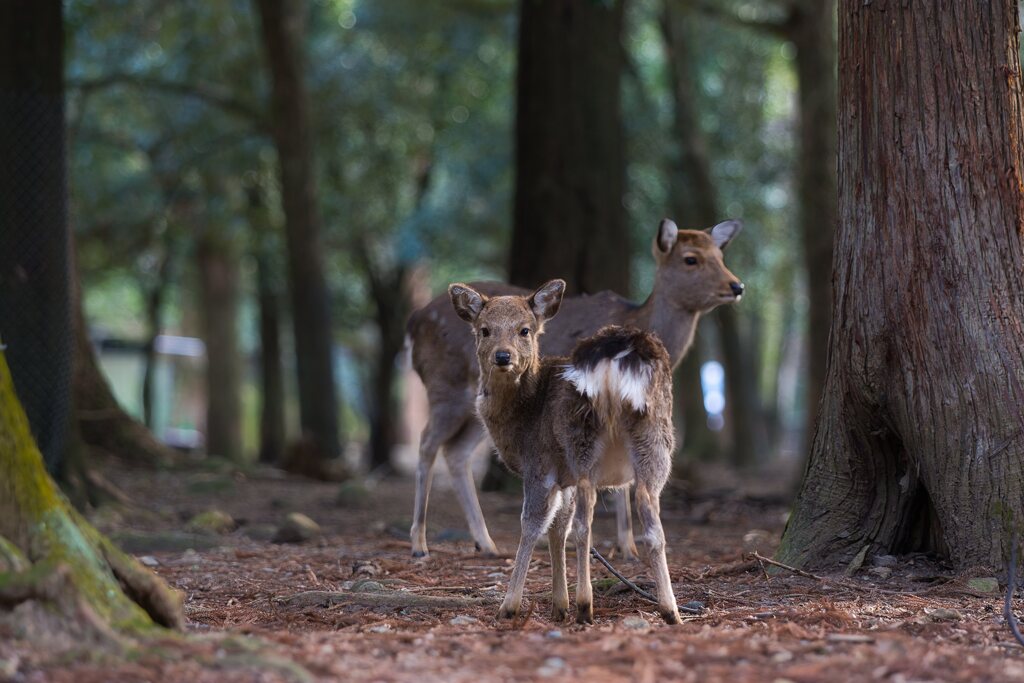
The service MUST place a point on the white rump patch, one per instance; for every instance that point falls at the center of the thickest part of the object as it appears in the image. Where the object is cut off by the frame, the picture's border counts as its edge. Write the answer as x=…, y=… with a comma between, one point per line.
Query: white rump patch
x=609, y=381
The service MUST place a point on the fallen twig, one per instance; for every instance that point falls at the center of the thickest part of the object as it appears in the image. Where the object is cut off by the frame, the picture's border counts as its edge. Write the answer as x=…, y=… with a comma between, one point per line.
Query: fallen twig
x=761, y=558
x=1011, y=585
x=399, y=599
x=635, y=588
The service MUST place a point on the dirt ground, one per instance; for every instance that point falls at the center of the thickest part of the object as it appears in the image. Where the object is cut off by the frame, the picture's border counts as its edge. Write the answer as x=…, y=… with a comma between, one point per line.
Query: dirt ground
x=913, y=621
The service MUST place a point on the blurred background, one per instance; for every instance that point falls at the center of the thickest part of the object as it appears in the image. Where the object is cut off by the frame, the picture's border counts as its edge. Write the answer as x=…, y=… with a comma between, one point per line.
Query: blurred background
x=262, y=192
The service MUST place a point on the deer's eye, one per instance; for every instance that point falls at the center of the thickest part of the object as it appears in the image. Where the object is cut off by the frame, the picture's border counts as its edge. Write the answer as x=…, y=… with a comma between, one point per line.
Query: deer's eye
x=484, y=332
x=525, y=332
x=690, y=260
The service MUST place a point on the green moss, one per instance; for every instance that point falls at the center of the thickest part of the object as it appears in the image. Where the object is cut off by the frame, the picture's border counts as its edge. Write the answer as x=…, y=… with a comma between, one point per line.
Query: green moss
x=11, y=559
x=39, y=520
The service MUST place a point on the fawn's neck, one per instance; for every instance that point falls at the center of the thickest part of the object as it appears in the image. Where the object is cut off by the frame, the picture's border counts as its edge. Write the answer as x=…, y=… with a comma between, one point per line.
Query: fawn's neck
x=504, y=402
x=675, y=327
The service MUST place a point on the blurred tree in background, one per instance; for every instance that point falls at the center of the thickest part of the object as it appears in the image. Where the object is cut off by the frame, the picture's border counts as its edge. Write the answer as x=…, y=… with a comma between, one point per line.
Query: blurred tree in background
x=193, y=215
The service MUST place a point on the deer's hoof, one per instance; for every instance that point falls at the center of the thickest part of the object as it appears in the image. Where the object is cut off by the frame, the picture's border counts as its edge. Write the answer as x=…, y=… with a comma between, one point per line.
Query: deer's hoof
x=507, y=613
x=671, y=617
x=489, y=551
x=629, y=552
x=559, y=614
x=585, y=613
x=419, y=553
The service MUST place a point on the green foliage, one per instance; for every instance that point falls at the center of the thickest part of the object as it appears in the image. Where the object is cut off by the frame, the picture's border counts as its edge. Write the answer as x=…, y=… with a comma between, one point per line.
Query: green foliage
x=413, y=119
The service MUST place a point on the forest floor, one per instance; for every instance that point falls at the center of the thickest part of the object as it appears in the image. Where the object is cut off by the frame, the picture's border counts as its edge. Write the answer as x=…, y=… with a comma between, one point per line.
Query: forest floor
x=393, y=618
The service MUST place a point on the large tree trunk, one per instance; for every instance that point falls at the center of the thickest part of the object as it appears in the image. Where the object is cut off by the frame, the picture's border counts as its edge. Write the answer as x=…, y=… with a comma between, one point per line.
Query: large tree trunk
x=218, y=287
x=570, y=167
x=283, y=30
x=34, y=294
x=919, y=443
x=695, y=199
x=49, y=555
x=813, y=33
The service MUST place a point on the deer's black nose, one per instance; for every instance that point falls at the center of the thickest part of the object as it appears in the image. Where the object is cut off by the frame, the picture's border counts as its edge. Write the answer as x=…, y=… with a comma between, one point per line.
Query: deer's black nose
x=502, y=358
x=737, y=288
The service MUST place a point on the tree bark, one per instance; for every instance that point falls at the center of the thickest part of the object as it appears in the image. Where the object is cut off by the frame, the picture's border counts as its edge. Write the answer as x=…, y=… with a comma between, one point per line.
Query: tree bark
x=569, y=220
x=919, y=443
x=34, y=295
x=813, y=33
x=283, y=31
x=218, y=286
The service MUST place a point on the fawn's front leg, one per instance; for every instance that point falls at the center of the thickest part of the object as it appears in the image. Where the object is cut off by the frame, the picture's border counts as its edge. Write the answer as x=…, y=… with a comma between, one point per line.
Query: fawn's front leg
x=537, y=504
x=556, y=546
x=586, y=496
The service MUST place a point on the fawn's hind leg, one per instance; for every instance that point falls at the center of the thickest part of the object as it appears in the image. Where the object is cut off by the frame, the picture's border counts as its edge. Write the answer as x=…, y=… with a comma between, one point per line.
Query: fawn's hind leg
x=624, y=524
x=586, y=497
x=648, y=509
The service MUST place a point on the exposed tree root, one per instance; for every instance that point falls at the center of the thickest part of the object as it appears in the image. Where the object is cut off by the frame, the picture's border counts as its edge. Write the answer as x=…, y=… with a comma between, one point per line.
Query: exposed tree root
x=53, y=585
x=50, y=553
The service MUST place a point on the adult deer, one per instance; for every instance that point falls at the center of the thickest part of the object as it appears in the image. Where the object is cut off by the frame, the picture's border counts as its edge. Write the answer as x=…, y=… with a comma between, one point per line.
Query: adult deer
x=570, y=426
x=691, y=279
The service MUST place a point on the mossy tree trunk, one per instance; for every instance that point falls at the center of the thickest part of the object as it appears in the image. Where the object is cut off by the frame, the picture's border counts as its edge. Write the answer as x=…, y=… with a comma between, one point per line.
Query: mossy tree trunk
x=50, y=555
x=919, y=443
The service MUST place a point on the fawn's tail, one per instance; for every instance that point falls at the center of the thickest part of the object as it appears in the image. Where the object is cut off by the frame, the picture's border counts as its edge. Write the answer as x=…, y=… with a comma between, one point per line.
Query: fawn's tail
x=618, y=369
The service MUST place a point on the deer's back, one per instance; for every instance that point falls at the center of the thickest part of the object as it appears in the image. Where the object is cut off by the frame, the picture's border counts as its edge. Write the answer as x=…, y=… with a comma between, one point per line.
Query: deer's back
x=444, y=352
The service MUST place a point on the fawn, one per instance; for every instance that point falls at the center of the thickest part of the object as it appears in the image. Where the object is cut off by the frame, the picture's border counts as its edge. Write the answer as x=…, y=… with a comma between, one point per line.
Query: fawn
x=691, y=279
x=571, y=426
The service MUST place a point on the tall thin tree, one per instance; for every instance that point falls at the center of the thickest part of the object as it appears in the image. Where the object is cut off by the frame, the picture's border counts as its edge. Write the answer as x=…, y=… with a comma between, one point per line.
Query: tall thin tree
x=283, y=25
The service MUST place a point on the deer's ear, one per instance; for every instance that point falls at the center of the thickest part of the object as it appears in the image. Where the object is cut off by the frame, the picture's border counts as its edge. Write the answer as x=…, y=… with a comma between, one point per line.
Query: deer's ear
x=467, y=301
x=668, y=232
x=723, y=233
x=545, y=301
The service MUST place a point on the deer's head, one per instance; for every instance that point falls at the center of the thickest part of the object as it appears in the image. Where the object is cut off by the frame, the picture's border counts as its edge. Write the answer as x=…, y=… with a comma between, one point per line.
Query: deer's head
x=691, y=273
x=506, y=327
